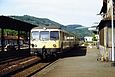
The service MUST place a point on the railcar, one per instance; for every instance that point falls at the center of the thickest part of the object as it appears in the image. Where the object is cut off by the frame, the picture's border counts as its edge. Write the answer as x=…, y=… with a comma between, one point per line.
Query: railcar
x=47, y=41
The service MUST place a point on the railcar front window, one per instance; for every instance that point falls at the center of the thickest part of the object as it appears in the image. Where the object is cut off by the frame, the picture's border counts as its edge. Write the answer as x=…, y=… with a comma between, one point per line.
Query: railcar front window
x=54, y=35
x=35, y=35
x=44, y=35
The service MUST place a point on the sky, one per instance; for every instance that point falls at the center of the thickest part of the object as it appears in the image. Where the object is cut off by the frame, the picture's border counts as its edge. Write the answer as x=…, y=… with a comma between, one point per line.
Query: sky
x=65, y=12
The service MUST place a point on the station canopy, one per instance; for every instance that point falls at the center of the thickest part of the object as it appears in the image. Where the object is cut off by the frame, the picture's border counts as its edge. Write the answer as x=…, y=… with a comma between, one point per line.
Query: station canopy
x=7, y=22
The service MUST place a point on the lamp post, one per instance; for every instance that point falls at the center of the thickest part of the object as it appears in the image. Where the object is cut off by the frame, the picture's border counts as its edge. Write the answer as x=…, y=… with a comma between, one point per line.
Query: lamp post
x=112, y=25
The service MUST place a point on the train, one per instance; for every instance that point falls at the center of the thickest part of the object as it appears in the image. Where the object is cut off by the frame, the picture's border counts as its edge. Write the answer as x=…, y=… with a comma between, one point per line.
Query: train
x=48, y=41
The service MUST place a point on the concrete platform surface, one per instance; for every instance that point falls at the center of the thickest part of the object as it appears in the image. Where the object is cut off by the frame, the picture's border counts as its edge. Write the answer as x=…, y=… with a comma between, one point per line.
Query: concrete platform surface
x=78, y=66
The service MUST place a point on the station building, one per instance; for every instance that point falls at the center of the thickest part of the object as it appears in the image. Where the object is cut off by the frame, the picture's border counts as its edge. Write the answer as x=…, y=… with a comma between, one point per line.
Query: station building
x=105, y=31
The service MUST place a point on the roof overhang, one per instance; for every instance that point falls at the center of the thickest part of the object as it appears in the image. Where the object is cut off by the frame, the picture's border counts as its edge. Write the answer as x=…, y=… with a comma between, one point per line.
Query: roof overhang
x=105, y=23
x=10, y=23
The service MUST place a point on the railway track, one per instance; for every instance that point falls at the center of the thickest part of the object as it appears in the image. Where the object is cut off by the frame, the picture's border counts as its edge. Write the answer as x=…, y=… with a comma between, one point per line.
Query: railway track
x=31, y=70
x=11, y=60
x=7, y=68
x=23, y=67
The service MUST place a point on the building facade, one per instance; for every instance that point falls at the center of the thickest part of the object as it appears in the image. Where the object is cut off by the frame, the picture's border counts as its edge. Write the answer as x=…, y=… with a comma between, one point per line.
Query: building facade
x=105, y=30
x=88, y=39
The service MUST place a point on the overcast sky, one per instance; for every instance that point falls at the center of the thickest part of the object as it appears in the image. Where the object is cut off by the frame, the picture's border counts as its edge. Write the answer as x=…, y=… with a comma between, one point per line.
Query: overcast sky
x=62, y=11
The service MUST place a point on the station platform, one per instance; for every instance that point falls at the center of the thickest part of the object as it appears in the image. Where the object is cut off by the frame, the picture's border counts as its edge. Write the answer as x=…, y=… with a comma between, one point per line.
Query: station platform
x=78, y=66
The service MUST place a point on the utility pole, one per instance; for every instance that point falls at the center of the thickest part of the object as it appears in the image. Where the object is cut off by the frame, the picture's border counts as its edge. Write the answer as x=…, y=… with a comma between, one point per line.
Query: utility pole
x=112, y=25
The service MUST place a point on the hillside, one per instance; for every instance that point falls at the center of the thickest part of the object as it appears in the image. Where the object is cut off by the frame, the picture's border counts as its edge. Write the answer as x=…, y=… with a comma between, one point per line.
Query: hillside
x=81, y=32
x=46, y=22
x=36, y=21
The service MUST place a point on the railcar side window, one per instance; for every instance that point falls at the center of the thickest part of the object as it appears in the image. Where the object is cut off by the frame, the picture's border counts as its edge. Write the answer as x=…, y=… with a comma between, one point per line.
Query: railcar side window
x=54, y=35
x=35, y=35
x=44, y=35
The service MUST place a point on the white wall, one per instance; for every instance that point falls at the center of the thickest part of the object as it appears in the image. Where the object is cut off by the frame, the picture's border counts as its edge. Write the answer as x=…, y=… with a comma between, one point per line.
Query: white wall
x=88, y=39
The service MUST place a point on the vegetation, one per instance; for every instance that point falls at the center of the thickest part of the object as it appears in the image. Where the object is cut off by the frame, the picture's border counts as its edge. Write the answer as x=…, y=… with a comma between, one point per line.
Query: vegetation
x=94, y=38
x=80, y=32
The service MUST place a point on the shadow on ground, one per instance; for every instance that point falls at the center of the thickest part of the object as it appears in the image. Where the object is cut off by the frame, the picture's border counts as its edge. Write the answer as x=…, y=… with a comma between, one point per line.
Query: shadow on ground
x=74, y=52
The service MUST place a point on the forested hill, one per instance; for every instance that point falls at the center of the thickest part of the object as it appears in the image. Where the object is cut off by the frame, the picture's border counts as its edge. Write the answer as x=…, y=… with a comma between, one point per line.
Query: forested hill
x=37, y=21
x=46, y=22
x=80, y=30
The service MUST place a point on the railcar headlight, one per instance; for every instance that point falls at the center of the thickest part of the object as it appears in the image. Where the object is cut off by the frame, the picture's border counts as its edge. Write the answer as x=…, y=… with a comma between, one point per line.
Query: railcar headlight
x=54, y=45
x=32, y=45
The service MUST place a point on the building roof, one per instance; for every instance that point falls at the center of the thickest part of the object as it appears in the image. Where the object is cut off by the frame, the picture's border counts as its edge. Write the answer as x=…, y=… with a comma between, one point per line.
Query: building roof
x=10, y=23
x=104, y=7
x=104, y=23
